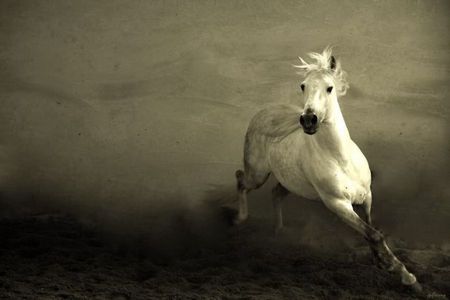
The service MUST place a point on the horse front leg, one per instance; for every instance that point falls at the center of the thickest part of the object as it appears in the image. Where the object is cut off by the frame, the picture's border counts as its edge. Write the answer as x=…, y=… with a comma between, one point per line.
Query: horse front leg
x=375, y=238
x=278, y=194
x=242, y=191
x=367, y=205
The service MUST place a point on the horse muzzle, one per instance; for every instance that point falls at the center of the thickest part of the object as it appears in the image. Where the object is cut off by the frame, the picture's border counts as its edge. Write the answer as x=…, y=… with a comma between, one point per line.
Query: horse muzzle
x=309, y=122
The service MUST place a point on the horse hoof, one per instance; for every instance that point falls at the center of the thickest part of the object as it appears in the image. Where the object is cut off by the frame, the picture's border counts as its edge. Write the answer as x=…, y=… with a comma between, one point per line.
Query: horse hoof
x=416, y=287
x=235, y=218
x=239, y=221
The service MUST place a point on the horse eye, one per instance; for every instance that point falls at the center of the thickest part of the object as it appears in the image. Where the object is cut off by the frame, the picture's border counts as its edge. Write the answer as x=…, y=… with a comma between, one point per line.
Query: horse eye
x=329, y=89
x=302, y=86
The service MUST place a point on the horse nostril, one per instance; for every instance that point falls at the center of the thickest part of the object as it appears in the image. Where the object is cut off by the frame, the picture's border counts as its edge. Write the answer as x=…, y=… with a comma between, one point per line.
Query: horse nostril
x=314, y=120
x=302, y=120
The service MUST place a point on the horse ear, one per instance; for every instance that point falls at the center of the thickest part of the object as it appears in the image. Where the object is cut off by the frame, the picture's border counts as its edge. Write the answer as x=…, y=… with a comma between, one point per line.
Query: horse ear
x=332, y=63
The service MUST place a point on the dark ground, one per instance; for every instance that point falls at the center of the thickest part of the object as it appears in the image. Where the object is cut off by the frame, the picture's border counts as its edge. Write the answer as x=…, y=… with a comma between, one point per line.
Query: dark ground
x=56, y=257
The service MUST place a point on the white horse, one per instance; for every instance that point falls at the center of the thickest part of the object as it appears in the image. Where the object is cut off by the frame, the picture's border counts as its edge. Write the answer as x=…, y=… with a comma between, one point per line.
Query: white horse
x=320, y=162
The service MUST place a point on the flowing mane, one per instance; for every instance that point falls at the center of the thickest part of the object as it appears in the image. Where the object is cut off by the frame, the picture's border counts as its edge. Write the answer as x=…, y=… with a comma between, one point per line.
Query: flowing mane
x=322, y=63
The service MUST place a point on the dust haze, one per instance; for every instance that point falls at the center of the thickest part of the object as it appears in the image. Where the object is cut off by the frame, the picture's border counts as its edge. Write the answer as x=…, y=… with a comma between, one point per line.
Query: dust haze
x=131, y=115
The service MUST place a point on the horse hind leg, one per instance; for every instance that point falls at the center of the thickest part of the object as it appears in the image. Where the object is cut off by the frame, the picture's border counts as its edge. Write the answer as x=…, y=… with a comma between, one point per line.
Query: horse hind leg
x=246, y=182
x=278, y=193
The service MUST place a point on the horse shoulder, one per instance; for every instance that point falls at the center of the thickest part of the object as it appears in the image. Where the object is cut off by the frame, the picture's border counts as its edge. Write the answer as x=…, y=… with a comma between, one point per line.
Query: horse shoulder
x=343, y=180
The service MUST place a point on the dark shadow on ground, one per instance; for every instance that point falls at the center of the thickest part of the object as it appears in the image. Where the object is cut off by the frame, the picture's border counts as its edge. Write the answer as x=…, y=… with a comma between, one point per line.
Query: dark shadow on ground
x=58, y=257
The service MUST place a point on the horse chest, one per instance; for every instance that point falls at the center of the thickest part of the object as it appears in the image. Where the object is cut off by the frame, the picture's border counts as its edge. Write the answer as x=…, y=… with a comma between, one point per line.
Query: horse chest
x=288, y=169
x=312, y=175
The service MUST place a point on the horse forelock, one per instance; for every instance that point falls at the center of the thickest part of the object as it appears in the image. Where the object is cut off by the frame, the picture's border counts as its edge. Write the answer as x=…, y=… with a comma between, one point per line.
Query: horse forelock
x=322, y=63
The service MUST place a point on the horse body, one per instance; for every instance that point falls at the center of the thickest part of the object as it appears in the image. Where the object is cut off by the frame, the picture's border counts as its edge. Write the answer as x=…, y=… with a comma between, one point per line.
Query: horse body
x=322, y=162
x=309, y=166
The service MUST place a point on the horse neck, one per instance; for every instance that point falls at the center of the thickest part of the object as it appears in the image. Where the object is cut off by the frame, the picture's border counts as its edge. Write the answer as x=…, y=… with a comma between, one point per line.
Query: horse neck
x=333, y=137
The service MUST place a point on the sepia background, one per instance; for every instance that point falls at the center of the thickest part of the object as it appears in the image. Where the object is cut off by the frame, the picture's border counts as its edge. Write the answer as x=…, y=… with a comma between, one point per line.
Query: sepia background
x=120, y=110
